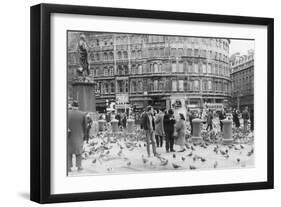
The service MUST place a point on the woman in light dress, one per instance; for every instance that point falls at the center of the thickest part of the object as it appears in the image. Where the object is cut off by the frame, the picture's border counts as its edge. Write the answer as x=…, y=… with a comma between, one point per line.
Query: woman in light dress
x=180, y=128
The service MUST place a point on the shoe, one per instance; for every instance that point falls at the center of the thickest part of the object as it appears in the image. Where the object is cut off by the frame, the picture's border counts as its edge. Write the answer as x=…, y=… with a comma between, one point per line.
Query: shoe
x=80, y=169
x=172, y=150
x=181, y=150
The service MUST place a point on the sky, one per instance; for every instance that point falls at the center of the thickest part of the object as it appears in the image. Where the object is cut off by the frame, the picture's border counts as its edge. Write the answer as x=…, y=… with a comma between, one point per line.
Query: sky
x=241, y=46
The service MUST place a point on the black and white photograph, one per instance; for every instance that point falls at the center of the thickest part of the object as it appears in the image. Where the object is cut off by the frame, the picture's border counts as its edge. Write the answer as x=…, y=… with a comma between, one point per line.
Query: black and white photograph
x=148, y=103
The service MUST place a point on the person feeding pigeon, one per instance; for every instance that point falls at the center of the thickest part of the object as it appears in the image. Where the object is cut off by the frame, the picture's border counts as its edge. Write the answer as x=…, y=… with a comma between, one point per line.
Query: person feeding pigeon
x=149, y=128
x=77, y=125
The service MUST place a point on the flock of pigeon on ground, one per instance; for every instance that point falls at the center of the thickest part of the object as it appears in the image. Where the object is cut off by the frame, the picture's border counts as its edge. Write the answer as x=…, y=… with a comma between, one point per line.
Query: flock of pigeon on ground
x=124, y=152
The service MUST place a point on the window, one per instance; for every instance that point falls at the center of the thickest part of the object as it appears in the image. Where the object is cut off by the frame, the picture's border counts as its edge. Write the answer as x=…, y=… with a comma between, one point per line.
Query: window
x=173, y=52
x=209, y=85
x=174, y=67
x=125, y=54
x=162, y=52
x=105, y=71
x=155, y=85
x=189, y=52
x=134, y=86
x=181, y=88
x=189, y=67
x=120, y=86
x=195, y=68
x=111, y=55
x=181, y=67
x=209, y=68
x=133, y=54
x=180, y=52
x=126, y=86
x=160, y=68
x=196, y=52
x=196, y=85
x=139, y=86
x=204, y=85
x=126, y=70
x=119, y=55
x=139, y=69
x=155, y=52
x=139, y=56
x=112, y=87
x=174, y=85
x=155, y=67
x=204, y=68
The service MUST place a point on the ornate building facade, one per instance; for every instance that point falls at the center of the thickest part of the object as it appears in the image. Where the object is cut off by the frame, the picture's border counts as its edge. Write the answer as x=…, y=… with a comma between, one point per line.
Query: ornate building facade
x=242, y=76
x=154, y=69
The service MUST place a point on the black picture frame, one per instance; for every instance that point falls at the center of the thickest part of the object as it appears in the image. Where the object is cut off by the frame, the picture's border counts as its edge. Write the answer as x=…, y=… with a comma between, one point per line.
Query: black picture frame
x=41, y=98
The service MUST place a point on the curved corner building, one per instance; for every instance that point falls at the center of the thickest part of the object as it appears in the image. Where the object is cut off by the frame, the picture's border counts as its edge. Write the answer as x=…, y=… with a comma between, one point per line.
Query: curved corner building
x=136, y=70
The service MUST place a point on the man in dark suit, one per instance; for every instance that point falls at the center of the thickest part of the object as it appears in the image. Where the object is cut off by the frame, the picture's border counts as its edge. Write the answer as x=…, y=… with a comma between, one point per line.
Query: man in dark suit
x=169, y=123
x=77, y=125
x=149, y=128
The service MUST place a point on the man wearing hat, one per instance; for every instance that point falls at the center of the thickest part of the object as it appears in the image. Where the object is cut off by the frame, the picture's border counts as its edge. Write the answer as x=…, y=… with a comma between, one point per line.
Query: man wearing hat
x=77, y=125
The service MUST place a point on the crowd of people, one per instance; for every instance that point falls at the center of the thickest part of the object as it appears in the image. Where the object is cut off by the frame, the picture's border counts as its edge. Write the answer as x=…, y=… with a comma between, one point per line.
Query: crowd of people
x=159, y=127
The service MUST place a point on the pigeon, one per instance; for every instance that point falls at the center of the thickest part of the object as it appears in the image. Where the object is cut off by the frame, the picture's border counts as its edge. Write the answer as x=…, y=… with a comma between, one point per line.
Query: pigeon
x=202, y=159
x=129, y=163
x=183, y=158
x=215, y=164
x=226, y=156
x=109, y=169
x=251, y=152
x=144, y=160
x=139, y=145
x=174, y=155
x=175, y=165
x=238, y=160
x=190, y=154
x=164, y=163
x=241, y=146
x=94, y=161
x=119, y=153
x=191, y=167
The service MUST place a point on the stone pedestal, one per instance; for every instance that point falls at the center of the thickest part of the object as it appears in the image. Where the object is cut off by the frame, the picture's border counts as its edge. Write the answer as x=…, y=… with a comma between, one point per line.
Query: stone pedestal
x=130, y=126
x=196, y=134
x=101, y=125
x=227, y=132
x=83, y=92
x=114, y=125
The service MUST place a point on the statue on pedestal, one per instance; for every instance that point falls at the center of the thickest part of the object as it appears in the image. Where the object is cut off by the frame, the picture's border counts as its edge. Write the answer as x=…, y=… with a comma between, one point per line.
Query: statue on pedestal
x=83, y=56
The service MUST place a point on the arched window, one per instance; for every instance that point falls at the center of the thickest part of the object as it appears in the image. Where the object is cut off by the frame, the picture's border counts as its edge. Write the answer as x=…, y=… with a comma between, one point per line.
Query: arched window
x=209, y=85
x=105, y=56
x=112, y=87
x=139, y=69
x=111, y=55
x=155, y=66
x=133, y=54
x=160, y=68
x=119, y=54
x=126, y=70
x=139, y=56
x=105, y=71
x=125, y=54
